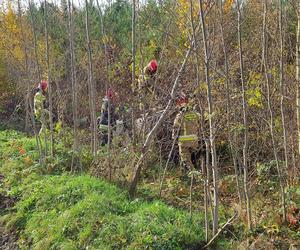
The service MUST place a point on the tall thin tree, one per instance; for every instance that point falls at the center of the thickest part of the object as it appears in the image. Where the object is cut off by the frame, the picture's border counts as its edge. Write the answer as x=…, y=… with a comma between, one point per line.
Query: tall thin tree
x=133, y=41
x=271, y=122
x=212, y=128
x=43, y=154
x=49, y=78
x=73, y=83
x=29, y=108
x=282, y=90
x=229, y=104
x=245, y=119
x=91, y=84
x=298, y=75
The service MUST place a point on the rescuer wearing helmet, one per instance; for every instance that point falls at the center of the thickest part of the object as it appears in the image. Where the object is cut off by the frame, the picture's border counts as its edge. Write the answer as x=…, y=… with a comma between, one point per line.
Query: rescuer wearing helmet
x=107, y=105
x=40, y=112
x=146, y=84
x=186, y=127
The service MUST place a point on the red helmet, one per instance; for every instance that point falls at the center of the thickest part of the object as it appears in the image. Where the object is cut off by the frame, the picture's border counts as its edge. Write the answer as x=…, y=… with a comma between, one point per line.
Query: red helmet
x=152, y=66
x=182, y=100
x=110, y=93
x=43, y=85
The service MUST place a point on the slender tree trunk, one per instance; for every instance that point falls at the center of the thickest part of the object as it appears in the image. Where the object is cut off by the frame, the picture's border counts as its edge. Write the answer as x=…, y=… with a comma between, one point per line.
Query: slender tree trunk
x=266, y=69
x=228, y=107
x=245, y=118
x=27, y=93
x=105, y=54
x=298, y=77
x=282, y=93
x=211, y=123
x=106, y=88
x=49, y=78
x=133, y=41
x=91, y=84
x=206, y=168
x=75, y=157
x=195, y=43
x=39, y=71
x=38, y=140
x=29, y=109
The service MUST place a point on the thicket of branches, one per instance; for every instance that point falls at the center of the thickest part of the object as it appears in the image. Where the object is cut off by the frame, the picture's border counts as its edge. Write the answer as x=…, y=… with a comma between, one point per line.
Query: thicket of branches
x=239, y=58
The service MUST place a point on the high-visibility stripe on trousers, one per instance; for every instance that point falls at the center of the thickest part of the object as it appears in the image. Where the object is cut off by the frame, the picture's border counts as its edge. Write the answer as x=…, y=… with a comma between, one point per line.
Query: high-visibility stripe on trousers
x=183, y=138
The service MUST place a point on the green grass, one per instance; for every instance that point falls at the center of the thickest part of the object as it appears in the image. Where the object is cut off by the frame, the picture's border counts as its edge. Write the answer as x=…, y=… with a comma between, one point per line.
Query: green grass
x=63, y=211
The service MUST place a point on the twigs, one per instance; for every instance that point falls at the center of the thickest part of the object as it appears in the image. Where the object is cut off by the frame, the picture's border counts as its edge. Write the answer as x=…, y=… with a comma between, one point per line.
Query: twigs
x=220, y=230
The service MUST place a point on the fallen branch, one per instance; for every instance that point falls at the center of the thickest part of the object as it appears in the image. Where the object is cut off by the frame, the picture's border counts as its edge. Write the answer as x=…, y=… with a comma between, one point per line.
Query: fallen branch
x=220, y=230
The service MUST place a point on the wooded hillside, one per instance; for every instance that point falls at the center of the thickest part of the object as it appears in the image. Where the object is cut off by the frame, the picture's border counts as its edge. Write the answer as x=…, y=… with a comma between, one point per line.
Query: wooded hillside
x=238, y=61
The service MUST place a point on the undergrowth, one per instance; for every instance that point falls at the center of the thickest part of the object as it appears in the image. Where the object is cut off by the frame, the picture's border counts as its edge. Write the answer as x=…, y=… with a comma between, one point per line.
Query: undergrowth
x=56, y=210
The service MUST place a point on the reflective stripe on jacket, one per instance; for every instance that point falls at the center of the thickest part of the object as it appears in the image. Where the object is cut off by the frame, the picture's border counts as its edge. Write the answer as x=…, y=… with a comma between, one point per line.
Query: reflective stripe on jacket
x=188, y=123
x=103, y=127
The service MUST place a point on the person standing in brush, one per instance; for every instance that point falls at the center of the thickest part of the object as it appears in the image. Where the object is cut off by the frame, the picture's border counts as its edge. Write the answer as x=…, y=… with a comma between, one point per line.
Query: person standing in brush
x=186, y=128
x=146, y=85
x=40, y=111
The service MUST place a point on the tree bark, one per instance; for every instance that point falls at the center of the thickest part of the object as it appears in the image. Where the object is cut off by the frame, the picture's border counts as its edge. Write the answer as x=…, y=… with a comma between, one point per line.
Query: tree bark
x=298, y=76
x=49, y=78
x=245, y=120
x=282, y=93
x=38, y=140
x=91, y=85
x=27, y=93
x=266, y=69
x=211, y=123
x=228, y=107
x=74, y=86
x=133, y=82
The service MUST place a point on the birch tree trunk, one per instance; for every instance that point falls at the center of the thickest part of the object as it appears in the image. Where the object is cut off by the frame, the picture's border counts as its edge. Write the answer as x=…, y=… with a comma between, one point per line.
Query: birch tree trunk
x=282, y=93
x=211, y=123
x=49, y=78
x=245, y=120
x=266, y=69
x=91, y=84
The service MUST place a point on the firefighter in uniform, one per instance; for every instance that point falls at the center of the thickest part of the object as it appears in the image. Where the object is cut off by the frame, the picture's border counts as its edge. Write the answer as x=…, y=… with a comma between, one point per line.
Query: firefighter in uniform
x=103, y=119
x=186, y=129
x=40, y=112
x=146, y=85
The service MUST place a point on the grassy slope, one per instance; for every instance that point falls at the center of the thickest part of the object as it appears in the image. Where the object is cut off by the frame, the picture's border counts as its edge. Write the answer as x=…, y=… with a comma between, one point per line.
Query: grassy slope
x=74, y=212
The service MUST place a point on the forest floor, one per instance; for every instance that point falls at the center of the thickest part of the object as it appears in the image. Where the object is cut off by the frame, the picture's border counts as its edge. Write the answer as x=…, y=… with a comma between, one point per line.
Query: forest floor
x=46, y=206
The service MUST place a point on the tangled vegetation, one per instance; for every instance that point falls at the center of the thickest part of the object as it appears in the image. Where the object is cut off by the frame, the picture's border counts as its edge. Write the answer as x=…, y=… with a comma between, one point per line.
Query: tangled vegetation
x=64, y=211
